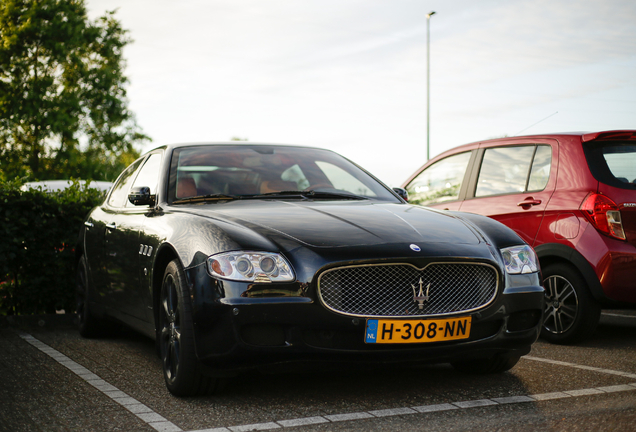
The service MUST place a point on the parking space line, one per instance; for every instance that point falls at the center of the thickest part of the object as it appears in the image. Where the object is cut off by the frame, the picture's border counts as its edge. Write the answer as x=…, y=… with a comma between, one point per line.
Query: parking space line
x=619, y=315
x=578, y=366
x=252, y=427
x=145, y=414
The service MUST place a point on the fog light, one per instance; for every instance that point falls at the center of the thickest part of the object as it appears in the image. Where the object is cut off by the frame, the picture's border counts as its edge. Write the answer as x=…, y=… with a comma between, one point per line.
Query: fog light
x=524, y=320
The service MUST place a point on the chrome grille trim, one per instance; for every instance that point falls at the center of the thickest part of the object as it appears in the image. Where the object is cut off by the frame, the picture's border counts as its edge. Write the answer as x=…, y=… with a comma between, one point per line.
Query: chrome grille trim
x=391, y=294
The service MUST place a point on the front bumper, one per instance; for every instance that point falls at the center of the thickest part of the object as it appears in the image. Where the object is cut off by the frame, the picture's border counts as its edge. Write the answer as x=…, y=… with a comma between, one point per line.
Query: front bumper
x=235, y=333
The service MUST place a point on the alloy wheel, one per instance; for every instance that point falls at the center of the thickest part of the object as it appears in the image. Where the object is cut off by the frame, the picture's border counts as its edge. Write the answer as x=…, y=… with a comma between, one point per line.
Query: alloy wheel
x=561, y=305
x=171, y=328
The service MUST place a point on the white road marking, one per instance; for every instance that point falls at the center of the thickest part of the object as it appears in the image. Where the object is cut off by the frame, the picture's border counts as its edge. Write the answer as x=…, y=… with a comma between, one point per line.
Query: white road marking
x=618, y=315
x=347, y=417
x=434, y=408
x=253, y=427
x=154, y=420
x=302, y=421
x=475, y=403
x=577, y=366
x=512, y=399
x=392, y=412
x=160, y=424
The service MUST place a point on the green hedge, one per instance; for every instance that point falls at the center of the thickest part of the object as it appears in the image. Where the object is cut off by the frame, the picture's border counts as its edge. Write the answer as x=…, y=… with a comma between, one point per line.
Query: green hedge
x=38, y=236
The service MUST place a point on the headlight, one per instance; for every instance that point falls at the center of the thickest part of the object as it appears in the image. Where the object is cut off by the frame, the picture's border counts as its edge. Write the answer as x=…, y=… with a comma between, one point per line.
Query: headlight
x=251, y=267
x=520, y=260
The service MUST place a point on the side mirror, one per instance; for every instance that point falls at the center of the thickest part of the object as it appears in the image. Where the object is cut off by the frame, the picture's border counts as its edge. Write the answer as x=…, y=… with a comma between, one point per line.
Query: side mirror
x=402, y=193
x=141, y=196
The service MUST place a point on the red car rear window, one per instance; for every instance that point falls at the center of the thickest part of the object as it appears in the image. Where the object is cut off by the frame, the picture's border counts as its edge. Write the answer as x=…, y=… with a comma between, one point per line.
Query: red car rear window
x=612, y=163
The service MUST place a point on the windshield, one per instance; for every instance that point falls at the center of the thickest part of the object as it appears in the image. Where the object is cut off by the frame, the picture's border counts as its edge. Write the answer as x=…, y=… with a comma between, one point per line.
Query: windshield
x=252, y=171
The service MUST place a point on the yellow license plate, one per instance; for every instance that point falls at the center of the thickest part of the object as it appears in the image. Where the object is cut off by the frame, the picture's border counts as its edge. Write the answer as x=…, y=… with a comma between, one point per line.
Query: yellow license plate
x=385, y=331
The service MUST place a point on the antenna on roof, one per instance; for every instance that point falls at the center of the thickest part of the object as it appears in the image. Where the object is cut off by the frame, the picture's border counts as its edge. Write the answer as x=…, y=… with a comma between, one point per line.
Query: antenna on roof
x=535, y=123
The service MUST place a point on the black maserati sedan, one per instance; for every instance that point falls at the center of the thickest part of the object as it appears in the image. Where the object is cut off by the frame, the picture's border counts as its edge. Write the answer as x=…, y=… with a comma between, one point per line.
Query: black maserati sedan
x=255, y=256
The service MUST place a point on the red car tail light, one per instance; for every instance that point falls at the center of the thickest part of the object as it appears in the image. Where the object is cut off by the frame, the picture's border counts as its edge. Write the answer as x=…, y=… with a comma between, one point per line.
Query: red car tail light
x=603, y=213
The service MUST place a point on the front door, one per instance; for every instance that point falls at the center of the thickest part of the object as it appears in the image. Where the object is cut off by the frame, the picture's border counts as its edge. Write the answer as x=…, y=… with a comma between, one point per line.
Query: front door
x=514, y=184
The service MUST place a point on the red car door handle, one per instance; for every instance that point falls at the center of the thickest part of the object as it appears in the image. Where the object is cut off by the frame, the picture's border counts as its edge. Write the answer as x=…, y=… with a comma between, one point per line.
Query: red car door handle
x=529, y=202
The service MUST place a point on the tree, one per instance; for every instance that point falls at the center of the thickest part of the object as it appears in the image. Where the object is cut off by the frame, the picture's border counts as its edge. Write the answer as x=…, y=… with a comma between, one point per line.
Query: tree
x=62, y=85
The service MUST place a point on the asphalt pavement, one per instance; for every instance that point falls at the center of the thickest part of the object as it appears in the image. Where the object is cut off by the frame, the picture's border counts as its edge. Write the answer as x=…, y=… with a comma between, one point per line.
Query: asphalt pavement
x=54, y=380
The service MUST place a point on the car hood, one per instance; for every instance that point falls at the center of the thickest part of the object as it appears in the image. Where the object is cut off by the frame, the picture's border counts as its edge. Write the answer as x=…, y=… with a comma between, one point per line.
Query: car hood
x=342, y=224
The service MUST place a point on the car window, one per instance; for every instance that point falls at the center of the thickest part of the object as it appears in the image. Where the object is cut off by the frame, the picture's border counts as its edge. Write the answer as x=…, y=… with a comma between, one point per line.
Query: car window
x=148, y=175
x=342, y=180
x=119, y=194
x=337, y=178
x=439, y=182
x=507, y=170
x=254, y=170
x=295, y=174
x=612, y=163
x=621, y=161
x=540, y=173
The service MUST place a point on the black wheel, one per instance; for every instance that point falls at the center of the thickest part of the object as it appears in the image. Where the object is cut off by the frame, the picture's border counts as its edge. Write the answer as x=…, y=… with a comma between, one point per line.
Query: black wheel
x=89, y=324
x=181, y=368
x=571, y=314
x=497, y=364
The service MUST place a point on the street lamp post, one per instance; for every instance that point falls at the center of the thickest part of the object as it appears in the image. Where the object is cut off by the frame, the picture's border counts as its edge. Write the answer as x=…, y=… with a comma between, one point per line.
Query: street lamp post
x=428, y=83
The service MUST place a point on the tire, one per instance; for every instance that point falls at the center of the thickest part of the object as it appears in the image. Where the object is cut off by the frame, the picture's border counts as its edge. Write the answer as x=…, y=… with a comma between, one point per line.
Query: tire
x=181, y=368
x=89, y=325
x=571, y=313
x=497, y=364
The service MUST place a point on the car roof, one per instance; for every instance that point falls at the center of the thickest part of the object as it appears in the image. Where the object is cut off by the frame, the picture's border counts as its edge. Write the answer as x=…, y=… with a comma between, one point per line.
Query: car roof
x=585, y=136
x=232, y=143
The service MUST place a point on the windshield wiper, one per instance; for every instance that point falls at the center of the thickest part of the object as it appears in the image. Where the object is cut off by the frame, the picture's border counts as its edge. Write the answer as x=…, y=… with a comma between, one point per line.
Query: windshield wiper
x=307, y=194
x=205, y=198
x=304, y=194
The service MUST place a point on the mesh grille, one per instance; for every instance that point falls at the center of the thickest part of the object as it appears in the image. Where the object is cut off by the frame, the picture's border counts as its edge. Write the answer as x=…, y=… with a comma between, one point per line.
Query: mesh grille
x=388, y=290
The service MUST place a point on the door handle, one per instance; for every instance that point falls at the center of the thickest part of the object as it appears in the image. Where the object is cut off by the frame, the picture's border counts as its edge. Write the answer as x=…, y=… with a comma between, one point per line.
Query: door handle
x=112, y=226
x=88, y=224
x=529, y=202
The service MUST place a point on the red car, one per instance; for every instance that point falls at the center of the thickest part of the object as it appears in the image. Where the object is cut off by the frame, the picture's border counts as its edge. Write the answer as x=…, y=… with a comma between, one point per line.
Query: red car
x=572, y=196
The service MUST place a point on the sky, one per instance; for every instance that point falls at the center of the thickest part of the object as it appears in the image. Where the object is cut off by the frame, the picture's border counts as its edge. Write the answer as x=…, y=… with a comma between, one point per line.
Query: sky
x=350, y=75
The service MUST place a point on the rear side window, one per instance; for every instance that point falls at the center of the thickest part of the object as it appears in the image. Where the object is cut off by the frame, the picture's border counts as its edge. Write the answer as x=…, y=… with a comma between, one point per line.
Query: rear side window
x=613, y=163
x=540, y=173
x=439, y=182
x=506, y=170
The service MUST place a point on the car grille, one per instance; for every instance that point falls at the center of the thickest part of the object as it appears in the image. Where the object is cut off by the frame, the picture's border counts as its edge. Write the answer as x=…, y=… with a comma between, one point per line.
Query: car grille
x=390, y=290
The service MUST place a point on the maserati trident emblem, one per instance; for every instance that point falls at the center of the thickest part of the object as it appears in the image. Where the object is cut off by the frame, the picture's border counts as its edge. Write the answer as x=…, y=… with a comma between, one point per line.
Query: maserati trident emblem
x=420, y=297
